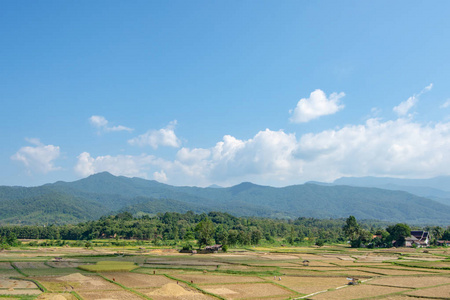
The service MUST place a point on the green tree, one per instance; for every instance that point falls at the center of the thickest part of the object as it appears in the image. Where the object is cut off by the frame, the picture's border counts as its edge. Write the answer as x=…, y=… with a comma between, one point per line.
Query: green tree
x=205, y=231
x=437, y=232
x=399, y=232
x=351, y=228
x=353, y=232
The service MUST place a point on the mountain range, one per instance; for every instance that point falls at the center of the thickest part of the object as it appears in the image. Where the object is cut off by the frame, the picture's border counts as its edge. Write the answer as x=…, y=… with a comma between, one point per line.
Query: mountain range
x=103, y=194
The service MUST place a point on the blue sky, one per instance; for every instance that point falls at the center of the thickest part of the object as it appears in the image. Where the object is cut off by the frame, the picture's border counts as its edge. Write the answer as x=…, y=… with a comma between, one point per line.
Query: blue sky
x=206, y=92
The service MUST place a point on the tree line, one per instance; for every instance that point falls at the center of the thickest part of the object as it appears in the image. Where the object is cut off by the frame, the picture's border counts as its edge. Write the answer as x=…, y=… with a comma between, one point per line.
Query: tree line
x=190, y=229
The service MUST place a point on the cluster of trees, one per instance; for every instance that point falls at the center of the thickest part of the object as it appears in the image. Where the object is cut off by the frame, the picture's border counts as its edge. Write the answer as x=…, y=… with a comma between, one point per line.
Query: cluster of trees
x=7, y=240
x=172, y=228
x=384, y=237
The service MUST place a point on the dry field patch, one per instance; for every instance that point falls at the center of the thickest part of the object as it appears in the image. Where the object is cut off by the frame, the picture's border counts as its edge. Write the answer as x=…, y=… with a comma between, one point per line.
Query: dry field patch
x=109, y=295
x=249, y=290
x=422, y=258
x=394, y=271
x=272, y=256
x=308, y=285
x=210, y=279
x=16, y=284
x=410, y=281
x=5, y=266
x=351, y=273
x=375, y=259
x=359, y=291
x=344, y=263
x=275, y=264
x=138, y=280
x=20, y=292
x=178, y=262
x=63, y=264
x=77, y=282
x=176, y=291
x=404, y=297
x=441, y=292
x=312, y=256
x=62, y=296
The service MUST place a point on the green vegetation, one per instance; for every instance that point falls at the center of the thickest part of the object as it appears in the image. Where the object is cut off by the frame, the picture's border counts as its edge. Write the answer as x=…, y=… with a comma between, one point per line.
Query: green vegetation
x=189, y=230
x=100, y=194
x=110, y=266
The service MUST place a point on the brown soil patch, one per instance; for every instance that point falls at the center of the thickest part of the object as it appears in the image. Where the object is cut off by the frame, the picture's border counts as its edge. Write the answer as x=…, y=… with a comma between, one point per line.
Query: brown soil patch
x=16, y=284
x=172, y=289
x=350, y=273
x=74, y=277
x=109, y=295
x=208, y=279
x=404, y=297
x=281, y=257
x=136, y=280
x=175, y=291
x=374, y=258
x=338, y=257
x=317, y=263
x=344, y=263
x=441, y=291
x=308, y=285
x=394, y=271
x=253, y=290
x=353, y=292
x=65, y=296
x=76, y=282
x=411, y=282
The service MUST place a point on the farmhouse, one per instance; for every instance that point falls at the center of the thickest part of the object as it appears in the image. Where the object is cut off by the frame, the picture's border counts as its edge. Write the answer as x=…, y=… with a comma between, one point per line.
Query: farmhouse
x=419, y=238
x=443, y=243
x=213, y=248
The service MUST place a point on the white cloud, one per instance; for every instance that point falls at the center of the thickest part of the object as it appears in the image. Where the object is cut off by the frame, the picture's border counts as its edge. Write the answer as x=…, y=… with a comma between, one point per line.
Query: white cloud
x=102, y=124
x=38, y=158
x=160, y=176
x=315, y=106
x=155, y=138
x=394, y=148
x=125, y=165
x=399, y=148
x=445, y=104
x=403, y=108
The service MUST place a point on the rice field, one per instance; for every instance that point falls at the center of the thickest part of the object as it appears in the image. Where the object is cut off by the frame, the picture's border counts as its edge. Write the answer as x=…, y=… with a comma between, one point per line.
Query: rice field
x=243, y=274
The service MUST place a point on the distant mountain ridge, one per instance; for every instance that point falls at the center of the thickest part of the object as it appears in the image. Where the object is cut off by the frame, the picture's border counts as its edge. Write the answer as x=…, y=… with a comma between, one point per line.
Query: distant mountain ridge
x=437, y=188
x=103, y=193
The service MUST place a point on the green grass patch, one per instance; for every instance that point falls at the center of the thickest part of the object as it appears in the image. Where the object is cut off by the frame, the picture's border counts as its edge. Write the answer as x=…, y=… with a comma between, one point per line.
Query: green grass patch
x=442, y=264
x=110, y=266
x=21, y=297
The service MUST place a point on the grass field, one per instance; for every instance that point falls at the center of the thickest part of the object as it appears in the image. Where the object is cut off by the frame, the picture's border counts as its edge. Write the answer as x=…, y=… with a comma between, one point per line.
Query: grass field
x=257, y=273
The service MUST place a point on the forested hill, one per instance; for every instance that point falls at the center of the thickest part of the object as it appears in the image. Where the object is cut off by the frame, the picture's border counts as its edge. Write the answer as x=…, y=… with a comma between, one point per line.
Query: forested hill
x=103, y=193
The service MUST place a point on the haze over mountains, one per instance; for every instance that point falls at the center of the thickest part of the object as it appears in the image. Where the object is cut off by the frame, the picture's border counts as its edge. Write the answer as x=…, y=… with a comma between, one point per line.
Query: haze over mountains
x=437, y=188
x=103, y=193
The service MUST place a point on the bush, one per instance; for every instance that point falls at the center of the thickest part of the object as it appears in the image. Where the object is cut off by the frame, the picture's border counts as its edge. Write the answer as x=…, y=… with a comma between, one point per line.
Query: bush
x=320, y=242
x=187, y=246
